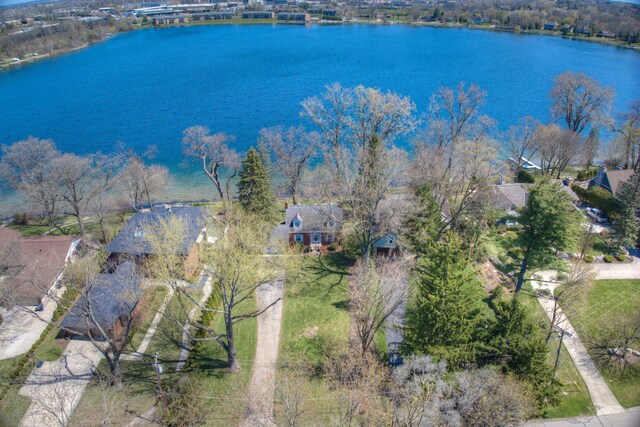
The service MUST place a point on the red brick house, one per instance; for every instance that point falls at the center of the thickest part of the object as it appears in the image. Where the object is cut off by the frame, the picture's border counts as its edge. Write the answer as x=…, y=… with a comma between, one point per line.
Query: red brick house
x=313, y=225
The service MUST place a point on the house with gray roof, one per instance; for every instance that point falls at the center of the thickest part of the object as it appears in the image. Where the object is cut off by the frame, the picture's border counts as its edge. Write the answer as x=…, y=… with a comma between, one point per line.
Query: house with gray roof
x=611, y=180
x=107, y=306
x=313, y=225
x=510, y=197
x=133, y=244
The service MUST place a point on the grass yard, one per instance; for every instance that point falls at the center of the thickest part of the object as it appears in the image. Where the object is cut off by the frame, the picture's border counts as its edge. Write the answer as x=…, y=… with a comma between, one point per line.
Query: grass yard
x=316, y=319
x=208, y=369
x=574, y=395
x=151, y=300
x=597, y=318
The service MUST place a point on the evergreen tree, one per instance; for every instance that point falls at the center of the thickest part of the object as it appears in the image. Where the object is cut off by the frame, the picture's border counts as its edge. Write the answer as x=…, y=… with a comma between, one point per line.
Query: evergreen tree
x=549, y=223
x=521, y=349
x=627, y=221
x=423, y=224
x=254, y=187
x=445, y=317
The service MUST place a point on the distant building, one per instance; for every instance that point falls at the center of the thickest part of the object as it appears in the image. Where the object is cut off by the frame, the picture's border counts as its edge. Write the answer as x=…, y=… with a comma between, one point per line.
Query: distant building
x=551, y=26
x=171, y=19
x=294, y=16
x=257, y=14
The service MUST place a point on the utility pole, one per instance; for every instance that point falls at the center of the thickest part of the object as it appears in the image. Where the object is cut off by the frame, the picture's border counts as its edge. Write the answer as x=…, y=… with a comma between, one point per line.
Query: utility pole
x=562, y=332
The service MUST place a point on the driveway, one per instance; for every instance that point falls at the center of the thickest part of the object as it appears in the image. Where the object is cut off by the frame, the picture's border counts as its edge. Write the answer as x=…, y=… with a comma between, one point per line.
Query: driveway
x=601, y=396
x=618, y=270
x=56, y=387
x=20, y=328
x=263, y=379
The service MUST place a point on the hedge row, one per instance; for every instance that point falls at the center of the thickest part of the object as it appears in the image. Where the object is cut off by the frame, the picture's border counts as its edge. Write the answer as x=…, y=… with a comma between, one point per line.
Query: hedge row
x=597, y=197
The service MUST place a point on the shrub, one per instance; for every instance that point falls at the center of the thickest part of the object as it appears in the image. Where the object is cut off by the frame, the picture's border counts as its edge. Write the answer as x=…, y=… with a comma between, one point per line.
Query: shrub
x=1, y=319
x=307, y=249
x=332, y=247
x=608, y=258
x=562, y=276
x=525, y=177
x=620, y=257
x=589, y=259
x=587, y=174
x=20, y=218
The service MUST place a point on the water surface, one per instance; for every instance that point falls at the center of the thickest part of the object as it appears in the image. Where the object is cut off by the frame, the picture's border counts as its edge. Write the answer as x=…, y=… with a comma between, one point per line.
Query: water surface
x=145, y=87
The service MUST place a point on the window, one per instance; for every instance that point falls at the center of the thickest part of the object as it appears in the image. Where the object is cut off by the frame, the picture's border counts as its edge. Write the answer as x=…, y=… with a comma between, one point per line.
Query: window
x=297, y=223
x=315, y=237
x=331, y=223
x=298, y=238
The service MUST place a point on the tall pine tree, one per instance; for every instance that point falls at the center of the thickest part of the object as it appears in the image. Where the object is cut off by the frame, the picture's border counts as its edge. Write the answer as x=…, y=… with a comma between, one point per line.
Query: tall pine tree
x=444, y=320
x=627, y=222
x=254, y=187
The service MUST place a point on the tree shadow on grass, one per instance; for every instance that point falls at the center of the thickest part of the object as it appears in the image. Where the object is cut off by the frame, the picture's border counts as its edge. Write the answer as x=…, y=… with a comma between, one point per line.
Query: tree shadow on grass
x=327, y=272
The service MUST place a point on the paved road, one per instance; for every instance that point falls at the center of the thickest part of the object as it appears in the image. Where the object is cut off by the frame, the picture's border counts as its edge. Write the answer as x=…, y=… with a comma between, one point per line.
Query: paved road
x=601, y=396
x=629, y=418
x=262, y=387
x=56, y=387
x=21, y=329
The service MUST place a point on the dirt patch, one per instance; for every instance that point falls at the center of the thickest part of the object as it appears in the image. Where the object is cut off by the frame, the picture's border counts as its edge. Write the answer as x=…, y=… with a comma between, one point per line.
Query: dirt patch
x=492, y=277
x=311, y=332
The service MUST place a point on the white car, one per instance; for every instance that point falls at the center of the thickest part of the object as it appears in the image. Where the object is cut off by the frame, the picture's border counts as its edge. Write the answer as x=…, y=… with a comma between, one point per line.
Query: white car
x=596, y=214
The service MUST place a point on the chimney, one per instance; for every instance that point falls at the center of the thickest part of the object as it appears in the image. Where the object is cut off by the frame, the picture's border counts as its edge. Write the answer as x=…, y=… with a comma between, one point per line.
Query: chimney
x=286, y=205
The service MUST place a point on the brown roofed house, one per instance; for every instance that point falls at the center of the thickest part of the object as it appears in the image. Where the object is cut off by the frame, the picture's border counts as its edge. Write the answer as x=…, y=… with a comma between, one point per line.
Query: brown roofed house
x=31, y=265
x=611, y=180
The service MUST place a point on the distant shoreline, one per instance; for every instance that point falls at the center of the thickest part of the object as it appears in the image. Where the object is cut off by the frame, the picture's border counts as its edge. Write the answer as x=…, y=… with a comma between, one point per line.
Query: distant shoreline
x=24, y=61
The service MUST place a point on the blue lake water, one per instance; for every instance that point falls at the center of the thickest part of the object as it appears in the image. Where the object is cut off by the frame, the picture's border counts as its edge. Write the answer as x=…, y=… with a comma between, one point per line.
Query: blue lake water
x=145, y=87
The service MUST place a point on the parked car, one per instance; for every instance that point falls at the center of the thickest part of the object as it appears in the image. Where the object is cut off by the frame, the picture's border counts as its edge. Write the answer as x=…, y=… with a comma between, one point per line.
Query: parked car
x=596, y=214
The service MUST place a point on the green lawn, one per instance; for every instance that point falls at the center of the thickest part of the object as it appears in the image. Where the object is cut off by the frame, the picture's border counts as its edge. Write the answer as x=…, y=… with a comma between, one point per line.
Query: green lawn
x=574, y=395
x=208, y=369
x=598, y=316
x=316, y=320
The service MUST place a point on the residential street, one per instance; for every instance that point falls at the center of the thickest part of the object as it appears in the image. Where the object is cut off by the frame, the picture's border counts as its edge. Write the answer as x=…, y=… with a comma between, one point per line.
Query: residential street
x=262, y=387
x=629, y=418
x=601, y=396
x=56, y=387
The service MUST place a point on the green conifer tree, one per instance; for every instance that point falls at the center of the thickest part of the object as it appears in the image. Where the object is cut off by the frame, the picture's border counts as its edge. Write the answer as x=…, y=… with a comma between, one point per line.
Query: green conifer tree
x=254, y=187
x=444, y=319
x=626, y=225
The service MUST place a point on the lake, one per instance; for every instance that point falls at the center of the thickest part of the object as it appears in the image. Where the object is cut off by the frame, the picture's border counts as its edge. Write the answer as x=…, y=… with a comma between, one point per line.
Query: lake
x=145, y=87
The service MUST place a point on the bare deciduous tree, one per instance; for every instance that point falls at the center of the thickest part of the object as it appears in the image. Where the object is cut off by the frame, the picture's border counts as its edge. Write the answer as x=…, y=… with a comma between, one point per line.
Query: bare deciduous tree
x=580, y=101
x=557, y=148
x=292, y=150
x=377, y=290
x=521, y=140
x=83, y=178
x=237, y=266
x=629, y=131
x=140, y=181
x=27, y=167
x=214, y=153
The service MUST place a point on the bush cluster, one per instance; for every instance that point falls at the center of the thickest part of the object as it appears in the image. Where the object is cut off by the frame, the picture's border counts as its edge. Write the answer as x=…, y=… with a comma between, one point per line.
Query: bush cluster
x=597, y=197
x=620, y=257
x=587, y=174
x=608, y=258
x=589, y=259
x=525, y=177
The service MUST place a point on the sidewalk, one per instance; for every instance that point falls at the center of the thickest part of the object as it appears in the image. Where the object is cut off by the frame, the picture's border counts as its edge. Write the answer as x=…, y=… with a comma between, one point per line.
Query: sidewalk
x=629, y=418
x=601, y=396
